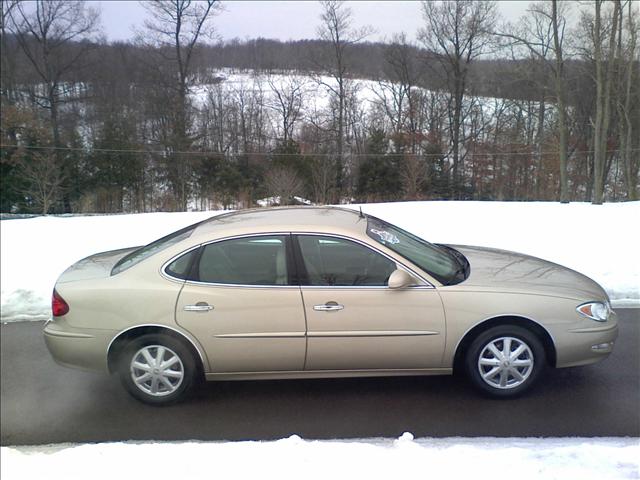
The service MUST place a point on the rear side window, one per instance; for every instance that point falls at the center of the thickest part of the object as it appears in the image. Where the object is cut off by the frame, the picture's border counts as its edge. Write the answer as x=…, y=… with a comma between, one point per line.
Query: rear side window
x=245, y=261
x=140, y=254
x=181, y=266
x=330, y=261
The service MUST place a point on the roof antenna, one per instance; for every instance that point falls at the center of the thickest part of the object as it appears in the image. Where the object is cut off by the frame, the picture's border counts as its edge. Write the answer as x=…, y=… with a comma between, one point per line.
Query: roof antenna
x=361, y=214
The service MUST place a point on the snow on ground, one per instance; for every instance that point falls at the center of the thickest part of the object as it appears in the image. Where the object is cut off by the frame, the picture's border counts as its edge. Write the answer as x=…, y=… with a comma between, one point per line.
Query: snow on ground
x=35, y=251
x=521, y=458
x=275, y=201
x=599, y=241
x=313, y=89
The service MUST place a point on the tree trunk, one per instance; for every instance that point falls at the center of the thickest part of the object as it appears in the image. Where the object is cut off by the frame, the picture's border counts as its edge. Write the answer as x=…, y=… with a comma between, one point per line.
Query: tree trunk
x=597, y=133
x=626, y=133
x=457, y=113
x=540, y=146
x=340, y=139
x=603, y=100
x=607, y=99
x=57, y=143
x=560, y=92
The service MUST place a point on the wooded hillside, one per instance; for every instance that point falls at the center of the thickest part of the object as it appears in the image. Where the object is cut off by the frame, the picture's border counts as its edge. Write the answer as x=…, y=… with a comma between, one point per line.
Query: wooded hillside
x=476, y=108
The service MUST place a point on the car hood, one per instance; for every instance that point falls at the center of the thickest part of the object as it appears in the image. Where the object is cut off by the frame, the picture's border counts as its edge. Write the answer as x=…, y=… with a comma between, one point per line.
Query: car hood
x=510, y=271
x=95, y=266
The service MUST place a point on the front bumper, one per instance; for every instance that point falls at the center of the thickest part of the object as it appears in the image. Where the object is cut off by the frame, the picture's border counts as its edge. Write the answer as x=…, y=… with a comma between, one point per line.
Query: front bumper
x=587, y=343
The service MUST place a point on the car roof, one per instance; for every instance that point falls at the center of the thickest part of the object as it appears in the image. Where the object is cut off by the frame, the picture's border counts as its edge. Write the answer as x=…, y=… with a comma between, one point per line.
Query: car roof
x=335, y=220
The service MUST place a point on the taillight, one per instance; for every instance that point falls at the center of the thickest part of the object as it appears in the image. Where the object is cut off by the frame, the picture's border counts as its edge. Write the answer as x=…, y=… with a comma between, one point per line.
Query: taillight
x=58, y=305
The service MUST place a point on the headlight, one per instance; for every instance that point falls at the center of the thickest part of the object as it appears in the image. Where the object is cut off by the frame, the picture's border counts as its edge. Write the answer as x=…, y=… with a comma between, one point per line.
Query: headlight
x=597, y=311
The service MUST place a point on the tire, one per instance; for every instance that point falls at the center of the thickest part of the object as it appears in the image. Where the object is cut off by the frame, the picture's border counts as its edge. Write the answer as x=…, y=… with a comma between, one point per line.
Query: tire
x=501, y=376
x=153, y=383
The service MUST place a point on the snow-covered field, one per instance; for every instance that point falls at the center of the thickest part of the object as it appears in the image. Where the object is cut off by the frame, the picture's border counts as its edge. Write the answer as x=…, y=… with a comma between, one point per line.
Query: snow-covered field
x=599, y=241
x=294, y=458
x=312, y=92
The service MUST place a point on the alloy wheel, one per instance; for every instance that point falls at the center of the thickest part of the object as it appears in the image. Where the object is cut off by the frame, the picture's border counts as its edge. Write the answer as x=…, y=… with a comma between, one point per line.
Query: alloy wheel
x=505, y=362
x=157, y=370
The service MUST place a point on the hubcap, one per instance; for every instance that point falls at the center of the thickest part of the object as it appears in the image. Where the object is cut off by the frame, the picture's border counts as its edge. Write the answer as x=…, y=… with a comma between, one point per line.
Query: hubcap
x=157, y=370
x=505, y=362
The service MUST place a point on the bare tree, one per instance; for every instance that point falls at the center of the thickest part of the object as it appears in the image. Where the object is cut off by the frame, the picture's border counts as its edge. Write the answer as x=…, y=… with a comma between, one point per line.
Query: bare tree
x=284, y=183
x=629, y=74
x=456, y=33
x=337, y=29
x=321, y=180
x=396, y=92
x=43, y=179
x=412, y=175
x=604, y=78
x=542, y=32
x=287, y=102
x=55, y=37
x=558, y=25
x=7, y=59
x=174, y=29
x=249, y=99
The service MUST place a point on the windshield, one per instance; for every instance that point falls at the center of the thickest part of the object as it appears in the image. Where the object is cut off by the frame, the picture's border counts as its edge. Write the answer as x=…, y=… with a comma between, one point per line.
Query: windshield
x=434, y=260
x=141, y=253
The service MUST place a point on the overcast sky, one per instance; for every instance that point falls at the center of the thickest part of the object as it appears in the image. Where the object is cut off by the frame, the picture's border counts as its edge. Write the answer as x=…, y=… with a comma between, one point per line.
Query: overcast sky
x=287, y=20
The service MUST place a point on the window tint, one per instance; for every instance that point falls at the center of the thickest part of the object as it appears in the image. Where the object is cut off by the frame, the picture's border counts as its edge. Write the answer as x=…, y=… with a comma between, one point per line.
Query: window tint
x=181, y=266
x=336, y=262
x=245, y=261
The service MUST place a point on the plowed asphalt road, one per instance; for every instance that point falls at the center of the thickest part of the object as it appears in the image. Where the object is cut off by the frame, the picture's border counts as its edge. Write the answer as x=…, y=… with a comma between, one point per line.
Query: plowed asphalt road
x=42, y=403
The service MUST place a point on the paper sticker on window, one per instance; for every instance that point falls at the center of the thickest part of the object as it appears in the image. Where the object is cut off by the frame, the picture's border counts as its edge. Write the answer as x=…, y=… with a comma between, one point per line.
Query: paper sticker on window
x=385, y=236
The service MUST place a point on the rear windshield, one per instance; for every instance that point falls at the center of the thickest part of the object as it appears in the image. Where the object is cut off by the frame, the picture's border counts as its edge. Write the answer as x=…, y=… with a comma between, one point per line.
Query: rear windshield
x=140, y=254
x=431, y=258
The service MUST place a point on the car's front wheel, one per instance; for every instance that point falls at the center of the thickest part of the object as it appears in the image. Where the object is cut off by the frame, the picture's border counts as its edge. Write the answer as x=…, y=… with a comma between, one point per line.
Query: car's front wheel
x=157, y=369
x=504, y=361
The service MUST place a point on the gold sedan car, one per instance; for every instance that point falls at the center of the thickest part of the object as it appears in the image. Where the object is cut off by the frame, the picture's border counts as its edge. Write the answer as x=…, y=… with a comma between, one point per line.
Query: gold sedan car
x=314, y=292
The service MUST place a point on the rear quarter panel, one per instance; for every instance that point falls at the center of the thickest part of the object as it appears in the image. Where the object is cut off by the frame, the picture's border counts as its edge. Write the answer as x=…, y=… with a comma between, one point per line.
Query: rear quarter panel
x=121, y=301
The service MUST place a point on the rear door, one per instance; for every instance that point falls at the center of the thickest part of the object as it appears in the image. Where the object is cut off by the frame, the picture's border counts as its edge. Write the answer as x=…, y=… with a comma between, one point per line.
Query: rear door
x=354, y=320
x=243, y=307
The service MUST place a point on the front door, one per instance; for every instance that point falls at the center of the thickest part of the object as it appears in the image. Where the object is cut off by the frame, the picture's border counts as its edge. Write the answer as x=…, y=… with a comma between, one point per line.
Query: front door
x=354, y=320
x=243, y=307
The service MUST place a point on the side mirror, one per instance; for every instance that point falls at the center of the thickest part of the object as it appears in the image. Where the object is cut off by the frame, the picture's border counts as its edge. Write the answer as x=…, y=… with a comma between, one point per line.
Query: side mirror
x=400, y=279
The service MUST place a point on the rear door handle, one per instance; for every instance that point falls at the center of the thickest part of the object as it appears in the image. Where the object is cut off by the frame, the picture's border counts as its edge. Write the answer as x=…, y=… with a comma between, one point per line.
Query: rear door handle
x=328, y=307
x=198, y=307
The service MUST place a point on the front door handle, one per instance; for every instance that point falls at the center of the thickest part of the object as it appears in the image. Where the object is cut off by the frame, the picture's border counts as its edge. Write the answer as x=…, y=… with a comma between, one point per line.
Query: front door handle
x=198, y=307
x=328, y=307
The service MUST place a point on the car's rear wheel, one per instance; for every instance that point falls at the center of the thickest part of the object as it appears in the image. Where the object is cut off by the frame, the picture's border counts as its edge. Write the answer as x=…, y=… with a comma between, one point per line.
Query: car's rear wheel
x=157, y=369
x=505, y=361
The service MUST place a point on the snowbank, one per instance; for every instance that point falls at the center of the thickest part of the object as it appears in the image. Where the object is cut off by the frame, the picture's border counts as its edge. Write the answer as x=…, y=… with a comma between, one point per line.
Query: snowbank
x=35, y=251
x=522, y=458
x=599, y=241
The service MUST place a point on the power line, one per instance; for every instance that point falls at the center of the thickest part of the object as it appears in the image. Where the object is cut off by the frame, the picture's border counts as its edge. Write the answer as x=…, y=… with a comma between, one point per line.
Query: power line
x=234, y=154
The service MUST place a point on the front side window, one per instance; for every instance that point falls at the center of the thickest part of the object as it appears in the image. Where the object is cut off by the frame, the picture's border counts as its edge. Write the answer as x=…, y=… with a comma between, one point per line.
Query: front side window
x=331, y=261
x=244, y=261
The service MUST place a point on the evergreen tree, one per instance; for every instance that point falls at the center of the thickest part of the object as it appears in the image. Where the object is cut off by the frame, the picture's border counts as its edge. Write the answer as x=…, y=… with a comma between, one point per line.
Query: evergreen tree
x=115, y=167
x=379, y=174
x=11, y=182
